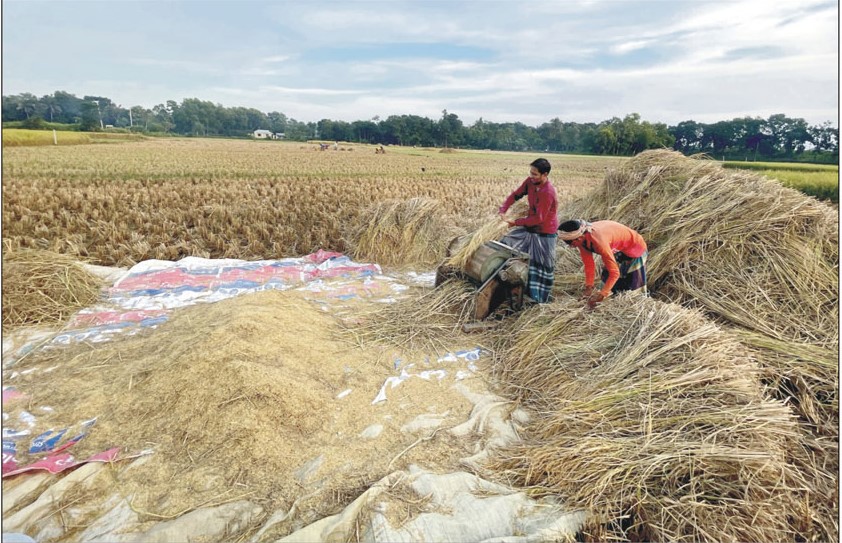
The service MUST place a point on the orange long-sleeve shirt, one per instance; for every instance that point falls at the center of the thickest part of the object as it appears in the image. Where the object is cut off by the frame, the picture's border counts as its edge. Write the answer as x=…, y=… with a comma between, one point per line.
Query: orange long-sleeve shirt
x=605, y=238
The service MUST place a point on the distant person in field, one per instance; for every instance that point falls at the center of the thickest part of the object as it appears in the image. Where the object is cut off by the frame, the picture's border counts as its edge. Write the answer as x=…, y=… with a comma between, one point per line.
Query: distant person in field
x=536, y=233
x=623, y=253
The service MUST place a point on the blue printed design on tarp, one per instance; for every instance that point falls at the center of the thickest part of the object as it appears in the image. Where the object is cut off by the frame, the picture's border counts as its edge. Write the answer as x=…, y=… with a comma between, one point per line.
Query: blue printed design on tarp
x=153, y=321
x=204, y=271
x=9, y=447
x=46, y=443
x=240, y=283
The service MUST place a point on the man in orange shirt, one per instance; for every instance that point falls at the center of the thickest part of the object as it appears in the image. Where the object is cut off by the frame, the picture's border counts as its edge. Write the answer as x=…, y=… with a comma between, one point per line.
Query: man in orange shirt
x=623, y=253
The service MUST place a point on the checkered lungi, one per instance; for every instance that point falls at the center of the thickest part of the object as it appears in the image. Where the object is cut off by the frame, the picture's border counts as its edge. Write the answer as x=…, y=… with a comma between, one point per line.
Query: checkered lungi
x=541, y=250
x=632, y=272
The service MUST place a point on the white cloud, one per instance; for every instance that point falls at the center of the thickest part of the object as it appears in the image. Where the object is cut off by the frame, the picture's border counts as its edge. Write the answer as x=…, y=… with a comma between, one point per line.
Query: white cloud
x=629, y=46
x=276, y=58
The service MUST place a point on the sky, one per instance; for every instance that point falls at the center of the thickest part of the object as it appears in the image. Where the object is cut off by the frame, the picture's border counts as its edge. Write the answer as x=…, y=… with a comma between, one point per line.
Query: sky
x=499, y=60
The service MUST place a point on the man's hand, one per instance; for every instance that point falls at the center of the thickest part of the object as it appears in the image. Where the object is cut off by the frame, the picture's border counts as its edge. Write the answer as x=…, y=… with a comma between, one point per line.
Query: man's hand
x=586, y=292
x=595, y=298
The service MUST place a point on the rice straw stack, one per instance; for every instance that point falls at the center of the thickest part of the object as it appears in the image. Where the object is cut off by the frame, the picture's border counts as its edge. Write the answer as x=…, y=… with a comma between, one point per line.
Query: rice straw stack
x=743, y=247
x=42, y=287
x=747, y=251
x=654, y=420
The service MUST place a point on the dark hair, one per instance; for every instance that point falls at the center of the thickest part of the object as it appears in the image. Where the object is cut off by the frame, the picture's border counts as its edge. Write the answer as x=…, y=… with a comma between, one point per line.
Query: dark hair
x=542, y=165
x=570, y=226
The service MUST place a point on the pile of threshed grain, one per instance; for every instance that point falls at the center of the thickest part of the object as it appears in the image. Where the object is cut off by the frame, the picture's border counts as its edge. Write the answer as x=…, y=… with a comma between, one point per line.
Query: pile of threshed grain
x=44, y=288
x=750, y=253
x=237, y=398
x=401, y=232
x=655, y=421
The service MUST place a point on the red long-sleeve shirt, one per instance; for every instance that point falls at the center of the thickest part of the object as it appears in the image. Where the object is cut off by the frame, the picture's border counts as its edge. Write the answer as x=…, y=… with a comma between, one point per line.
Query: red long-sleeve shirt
x=605, y=238
x=543, y=206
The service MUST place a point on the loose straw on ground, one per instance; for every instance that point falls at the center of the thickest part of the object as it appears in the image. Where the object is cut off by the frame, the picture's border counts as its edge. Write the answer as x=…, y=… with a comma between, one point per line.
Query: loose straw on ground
x=427, y=320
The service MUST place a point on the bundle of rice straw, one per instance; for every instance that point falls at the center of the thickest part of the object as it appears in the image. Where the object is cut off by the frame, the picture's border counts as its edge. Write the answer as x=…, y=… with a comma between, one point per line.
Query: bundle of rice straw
x=654, y=421
x=493, y=228
x=401, y=232
x=42, y=287
x=747, y=251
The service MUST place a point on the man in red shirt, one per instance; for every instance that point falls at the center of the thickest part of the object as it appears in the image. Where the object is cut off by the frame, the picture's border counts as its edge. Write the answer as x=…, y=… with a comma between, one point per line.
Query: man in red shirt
x=536, y=233
x=623, y=253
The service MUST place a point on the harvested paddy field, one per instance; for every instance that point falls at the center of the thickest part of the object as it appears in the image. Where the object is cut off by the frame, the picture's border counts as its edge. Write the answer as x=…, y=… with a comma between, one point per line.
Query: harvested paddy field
x=345, y=403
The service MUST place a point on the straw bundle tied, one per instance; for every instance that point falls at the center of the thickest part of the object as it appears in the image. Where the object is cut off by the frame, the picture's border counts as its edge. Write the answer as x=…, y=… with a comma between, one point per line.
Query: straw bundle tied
x=746, y=250
x=493, y=228
x=401, y=232
x=42, y=287
x=652, y=419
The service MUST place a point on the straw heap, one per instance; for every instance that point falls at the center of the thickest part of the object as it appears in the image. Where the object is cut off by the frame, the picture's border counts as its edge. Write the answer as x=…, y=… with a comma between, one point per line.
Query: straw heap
x=41, y=287
x=747, y=251
x=652, y=419
x=743, y=247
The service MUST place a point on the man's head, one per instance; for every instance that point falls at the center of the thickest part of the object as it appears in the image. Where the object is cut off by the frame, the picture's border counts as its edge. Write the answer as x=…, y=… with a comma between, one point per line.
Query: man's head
x=539, y=170
x=572, y=230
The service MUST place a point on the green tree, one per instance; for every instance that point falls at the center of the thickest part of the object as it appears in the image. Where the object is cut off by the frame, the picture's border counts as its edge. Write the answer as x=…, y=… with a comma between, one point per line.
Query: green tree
x=552, y=134
x=277, y=122
x=89, y=113
x=51, y=107
x=825, y=137
x=605, y=140
x=450, y=130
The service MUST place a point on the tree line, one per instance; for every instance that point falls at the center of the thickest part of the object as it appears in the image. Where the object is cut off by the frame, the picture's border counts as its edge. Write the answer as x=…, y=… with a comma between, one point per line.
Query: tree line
x=748, y=138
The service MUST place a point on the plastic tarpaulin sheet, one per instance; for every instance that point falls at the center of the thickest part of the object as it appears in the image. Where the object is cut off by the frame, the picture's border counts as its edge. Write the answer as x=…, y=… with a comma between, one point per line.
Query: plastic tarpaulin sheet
x=146, y=294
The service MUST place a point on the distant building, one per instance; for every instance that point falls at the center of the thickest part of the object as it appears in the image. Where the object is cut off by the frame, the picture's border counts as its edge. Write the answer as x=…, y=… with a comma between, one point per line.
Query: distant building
x=263, y=134
x=280, y=135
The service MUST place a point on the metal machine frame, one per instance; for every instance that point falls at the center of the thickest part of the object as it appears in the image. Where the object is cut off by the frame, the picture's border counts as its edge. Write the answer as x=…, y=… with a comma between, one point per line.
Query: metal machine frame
x=504, y=284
